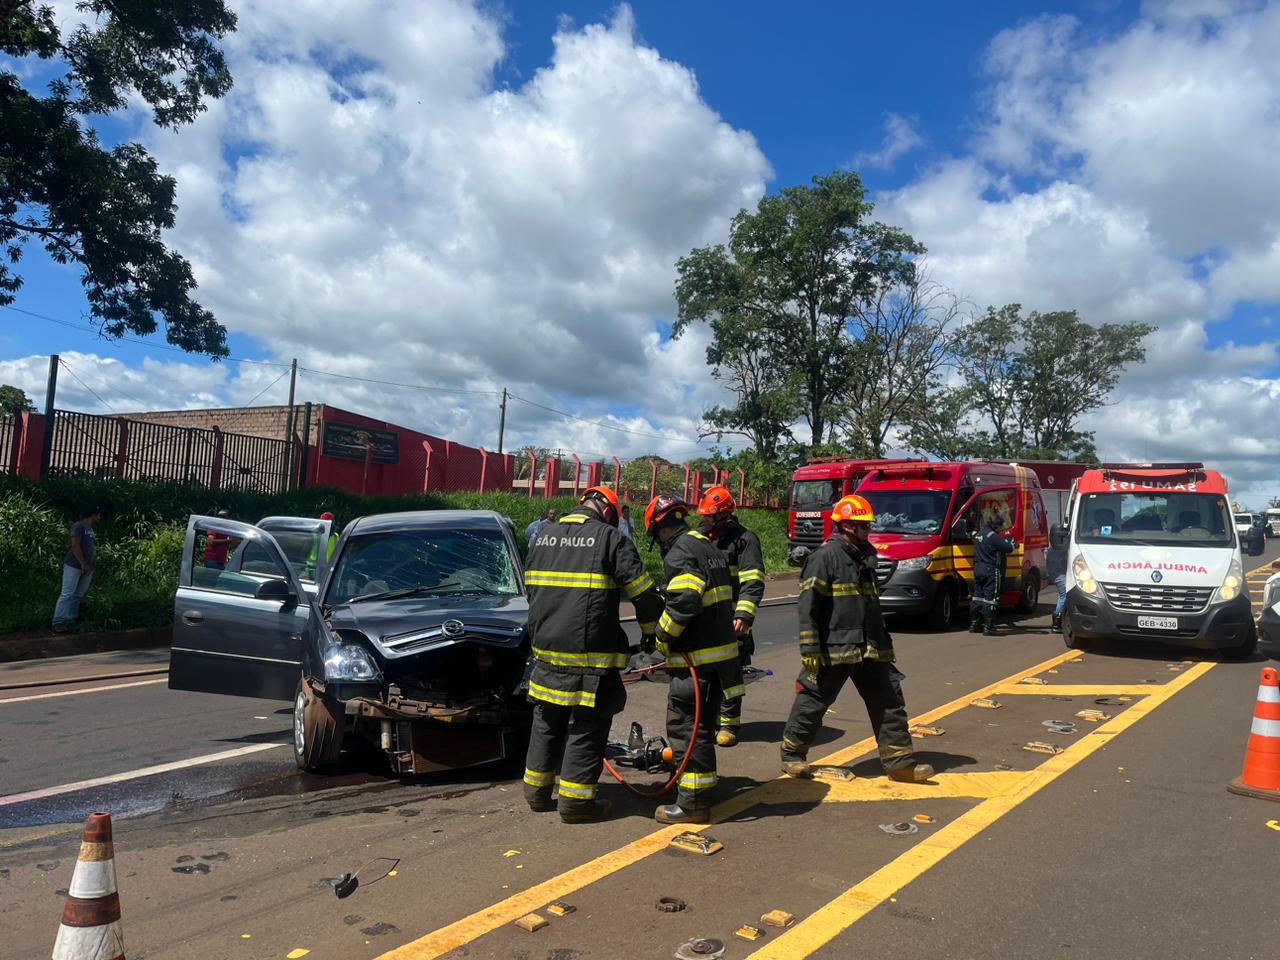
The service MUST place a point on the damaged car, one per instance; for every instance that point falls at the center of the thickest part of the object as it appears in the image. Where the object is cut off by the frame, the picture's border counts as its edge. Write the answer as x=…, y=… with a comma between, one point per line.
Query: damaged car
x=413, y=640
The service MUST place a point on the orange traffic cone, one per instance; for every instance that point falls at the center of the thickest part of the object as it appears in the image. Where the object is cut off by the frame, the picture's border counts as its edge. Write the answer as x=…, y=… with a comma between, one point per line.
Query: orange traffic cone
x=91, y=921
x=1261, y=776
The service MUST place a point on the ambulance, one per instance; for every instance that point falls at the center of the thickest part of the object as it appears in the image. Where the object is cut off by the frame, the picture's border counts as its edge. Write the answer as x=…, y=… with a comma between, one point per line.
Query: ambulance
x=927, y=515
x=1154, y=556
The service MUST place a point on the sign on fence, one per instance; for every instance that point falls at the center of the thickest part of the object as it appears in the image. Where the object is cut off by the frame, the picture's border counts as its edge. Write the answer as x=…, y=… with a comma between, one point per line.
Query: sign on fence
x=347, y=442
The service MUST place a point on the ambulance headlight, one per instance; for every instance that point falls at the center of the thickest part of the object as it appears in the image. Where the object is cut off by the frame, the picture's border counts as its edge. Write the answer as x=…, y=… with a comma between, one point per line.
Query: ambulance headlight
x=1084, y=576
x=915, y=563
x=1231, y=583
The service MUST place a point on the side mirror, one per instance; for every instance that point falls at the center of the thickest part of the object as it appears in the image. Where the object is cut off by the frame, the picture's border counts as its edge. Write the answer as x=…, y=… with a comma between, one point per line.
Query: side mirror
x=277, y=590
x=960, y=530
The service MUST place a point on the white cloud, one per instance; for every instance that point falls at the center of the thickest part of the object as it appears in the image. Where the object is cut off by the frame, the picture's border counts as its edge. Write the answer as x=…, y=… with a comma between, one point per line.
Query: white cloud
x=901, y=136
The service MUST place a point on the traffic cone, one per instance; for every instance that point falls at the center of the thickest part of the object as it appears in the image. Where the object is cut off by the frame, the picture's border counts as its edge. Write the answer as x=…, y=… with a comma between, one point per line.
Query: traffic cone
x=91, y=921
x=1261, y=776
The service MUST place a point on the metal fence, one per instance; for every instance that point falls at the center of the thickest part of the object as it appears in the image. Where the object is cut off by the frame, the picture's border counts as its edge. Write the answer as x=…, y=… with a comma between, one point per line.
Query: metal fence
x=8, y=437
x=90, y=445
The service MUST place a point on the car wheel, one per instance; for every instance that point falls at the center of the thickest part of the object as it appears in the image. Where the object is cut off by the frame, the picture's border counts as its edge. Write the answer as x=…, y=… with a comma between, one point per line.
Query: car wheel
x=317, y=729
x=1069, y=638
x=943, y=611
x=1030, y=597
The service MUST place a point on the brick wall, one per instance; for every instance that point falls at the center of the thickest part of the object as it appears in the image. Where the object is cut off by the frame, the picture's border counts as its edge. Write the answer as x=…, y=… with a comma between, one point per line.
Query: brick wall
x=266, y=421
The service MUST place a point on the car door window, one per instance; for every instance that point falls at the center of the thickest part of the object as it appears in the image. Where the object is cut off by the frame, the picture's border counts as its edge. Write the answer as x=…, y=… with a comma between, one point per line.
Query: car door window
x=253, y=559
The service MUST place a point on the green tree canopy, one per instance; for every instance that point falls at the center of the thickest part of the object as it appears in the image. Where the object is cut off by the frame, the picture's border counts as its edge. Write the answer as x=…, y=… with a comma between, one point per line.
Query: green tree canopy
x=779, y=299
x=14, y=400
x=105, y=210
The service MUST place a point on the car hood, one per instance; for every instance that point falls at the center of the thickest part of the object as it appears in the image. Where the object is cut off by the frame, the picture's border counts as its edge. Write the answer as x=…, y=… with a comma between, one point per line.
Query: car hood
x=415, y=624
x=1171, y=566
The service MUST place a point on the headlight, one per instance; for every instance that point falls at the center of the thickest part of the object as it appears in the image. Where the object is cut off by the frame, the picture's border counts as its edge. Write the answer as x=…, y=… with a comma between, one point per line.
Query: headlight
x=1083, y=575
x=915, y=563
x=1272, y=596
x=1230, y=588
x=349, y=661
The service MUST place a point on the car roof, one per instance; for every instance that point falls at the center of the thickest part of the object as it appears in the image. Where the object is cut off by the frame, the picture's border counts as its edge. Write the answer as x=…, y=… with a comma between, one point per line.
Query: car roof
x=427, y=520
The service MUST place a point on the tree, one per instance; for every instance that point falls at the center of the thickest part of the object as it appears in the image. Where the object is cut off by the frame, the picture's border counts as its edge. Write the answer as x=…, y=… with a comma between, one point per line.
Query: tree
x=792, y=275
x=1026, y=383
x=14, y=400
x=104, y=210
x=903, y=341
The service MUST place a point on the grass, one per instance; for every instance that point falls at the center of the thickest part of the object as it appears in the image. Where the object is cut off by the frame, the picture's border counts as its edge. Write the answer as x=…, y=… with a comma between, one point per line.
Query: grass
x=140, y=539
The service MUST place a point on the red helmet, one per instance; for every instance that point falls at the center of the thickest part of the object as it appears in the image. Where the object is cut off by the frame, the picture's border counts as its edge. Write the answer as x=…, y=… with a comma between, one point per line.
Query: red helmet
x=664, y=507
x=327, y=516
x=606, y=496
x=716, y=501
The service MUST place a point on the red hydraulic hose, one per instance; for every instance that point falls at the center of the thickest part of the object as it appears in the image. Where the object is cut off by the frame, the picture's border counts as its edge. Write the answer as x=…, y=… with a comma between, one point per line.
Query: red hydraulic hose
x=684, y=761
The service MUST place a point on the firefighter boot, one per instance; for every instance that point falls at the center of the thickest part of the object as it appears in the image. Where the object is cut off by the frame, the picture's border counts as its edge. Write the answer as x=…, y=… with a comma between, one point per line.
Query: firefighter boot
x=797, y=768
x=598, y=811
x=975, y=626
x=916, y=773
x=674, y=813
x=725, y=737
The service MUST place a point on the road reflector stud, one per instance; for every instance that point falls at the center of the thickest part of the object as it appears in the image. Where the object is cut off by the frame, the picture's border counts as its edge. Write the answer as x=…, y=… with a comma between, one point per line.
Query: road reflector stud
x=1034, y=681
x=839, y=774
x=1051, y=671
x=512, y=853
x=749, y=932
x=1274, y=824
x=297, y=954
x=900, y=829
x=926, y=730
x=697, y=843
x=1060, y=726
x=778, y=918
x=532, y=922
x=986, y=703
x=1039, y=746
x=701, y=948
x=922, y=818
x=1093, y=716
x=560, y=908
x=1261, y=775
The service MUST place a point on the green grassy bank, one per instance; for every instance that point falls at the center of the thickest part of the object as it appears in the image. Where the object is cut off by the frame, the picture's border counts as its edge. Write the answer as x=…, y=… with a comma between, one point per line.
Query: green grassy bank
x=140, y=539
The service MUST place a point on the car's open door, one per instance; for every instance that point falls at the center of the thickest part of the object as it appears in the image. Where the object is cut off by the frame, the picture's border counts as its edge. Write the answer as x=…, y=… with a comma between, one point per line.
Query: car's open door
x=304, y=541
x=234, y=632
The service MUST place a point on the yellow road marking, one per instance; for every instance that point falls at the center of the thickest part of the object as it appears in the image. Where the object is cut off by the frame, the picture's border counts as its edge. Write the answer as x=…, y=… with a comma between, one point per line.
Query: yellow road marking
x=1082, y=689
x=828, y=922
x=981, y=786
x=491, y=918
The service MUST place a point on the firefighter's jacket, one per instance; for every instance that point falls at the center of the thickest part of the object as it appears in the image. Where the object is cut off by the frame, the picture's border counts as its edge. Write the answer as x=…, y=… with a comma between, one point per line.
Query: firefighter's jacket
x=746, y=568
x=698, y=618
x=989, y=552
x=578, y=571
x=840, y=616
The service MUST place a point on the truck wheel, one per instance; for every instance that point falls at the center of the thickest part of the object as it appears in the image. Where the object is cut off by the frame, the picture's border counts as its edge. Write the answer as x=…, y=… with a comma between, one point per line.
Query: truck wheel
x=943, y=611
x=1030, y=597
x=1069, y=638
x=317, y=729
x=1247, y=649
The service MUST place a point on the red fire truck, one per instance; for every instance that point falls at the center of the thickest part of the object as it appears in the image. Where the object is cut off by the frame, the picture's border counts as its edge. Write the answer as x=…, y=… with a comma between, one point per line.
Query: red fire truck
x=815, y=488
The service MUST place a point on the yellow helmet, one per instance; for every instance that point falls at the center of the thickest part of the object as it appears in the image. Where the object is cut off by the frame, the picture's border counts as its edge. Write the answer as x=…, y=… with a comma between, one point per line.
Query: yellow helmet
x=852, y=507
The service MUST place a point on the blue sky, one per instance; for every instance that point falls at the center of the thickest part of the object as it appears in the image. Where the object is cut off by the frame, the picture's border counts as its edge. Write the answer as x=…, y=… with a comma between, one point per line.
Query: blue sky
x=484, y=189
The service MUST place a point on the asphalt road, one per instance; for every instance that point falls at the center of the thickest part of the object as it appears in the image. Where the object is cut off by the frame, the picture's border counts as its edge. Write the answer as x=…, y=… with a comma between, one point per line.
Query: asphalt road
x=1125, y=843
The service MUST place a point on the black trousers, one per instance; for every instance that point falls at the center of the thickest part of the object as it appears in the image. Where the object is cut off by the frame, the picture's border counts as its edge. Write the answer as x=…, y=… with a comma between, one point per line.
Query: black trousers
x=699, y=777
x=730, y=713
x=570, y=741
x=878, y=683
x=986, y=595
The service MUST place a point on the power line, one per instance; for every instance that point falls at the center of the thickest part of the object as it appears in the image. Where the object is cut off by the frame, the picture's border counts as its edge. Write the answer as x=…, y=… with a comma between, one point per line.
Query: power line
x=264, y=390
x=66, y=366
x=412, y=386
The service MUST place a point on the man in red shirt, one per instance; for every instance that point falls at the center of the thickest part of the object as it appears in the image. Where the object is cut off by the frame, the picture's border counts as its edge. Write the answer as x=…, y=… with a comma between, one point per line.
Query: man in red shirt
x=217, y=546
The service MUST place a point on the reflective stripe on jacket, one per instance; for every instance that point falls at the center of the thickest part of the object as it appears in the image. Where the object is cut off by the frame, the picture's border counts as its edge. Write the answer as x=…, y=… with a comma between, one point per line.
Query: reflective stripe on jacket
x=698, y=618
x=839, y=606
x=746, y=568
x=579, y=570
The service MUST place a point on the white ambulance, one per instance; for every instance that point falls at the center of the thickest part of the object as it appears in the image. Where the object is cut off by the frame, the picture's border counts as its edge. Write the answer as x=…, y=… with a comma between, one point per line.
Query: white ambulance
x=1154, y=555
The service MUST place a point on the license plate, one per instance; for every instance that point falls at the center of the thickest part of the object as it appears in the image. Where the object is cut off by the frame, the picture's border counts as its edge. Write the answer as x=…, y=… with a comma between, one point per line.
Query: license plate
x=1158, y=623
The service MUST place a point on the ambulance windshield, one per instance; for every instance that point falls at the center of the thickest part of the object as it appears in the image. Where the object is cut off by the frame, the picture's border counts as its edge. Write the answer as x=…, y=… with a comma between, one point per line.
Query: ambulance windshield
x=1155, y=518
x=920, y=512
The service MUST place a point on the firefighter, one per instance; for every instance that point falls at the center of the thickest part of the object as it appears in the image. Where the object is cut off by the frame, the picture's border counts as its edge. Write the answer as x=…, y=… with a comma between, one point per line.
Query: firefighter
x=989, y=552
x=843, y=637
x=741, y=548
x=697, y=621
x=579, y=568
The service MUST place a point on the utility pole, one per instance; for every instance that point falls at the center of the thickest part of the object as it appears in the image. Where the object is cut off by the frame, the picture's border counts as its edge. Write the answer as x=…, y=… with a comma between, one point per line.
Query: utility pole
x=502, y=420
x=50, y=392
x=288, y=430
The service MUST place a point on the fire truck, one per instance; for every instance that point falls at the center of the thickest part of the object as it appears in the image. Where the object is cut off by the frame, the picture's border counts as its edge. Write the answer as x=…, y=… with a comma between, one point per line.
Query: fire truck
x=815, y=488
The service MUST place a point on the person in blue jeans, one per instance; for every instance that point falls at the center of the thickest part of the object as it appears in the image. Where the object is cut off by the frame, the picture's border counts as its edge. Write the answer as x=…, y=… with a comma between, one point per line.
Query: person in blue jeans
x=78, y=568
x=1056, y=566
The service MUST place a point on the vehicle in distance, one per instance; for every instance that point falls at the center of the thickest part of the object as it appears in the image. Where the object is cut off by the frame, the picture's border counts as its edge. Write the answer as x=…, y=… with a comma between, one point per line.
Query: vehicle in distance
x=414, y=640
x=1273, y=521
x=1154, y=556
x=815, y=488
x=1253, y=539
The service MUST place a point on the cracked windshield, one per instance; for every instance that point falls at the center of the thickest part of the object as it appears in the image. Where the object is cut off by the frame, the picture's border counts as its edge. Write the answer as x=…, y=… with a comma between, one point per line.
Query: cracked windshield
x=423, y=562
x=920, y=512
